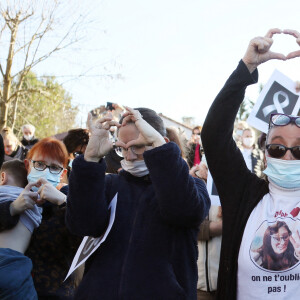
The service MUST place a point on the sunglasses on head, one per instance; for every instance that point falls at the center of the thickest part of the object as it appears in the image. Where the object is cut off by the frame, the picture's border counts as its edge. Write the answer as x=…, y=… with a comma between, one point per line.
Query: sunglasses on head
x=283, y=120
x=278, y=150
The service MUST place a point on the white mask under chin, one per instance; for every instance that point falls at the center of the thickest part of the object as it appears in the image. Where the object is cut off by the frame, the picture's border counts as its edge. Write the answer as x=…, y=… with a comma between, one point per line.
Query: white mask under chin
x=28, y=137
x=136, y=168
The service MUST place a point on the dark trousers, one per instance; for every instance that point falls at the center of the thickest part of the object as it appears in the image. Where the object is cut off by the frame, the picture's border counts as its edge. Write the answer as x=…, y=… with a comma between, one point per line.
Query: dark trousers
x=201, y=295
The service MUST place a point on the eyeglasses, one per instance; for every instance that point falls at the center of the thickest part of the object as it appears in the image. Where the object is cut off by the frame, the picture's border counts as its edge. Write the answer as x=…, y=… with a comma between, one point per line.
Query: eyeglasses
x=283, y=120
x=137, y=150
x=278, y=150
x=41, y=166
x=278, y=239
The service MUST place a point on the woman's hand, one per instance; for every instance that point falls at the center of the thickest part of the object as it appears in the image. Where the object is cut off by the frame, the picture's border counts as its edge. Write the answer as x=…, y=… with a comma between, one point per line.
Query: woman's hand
x=148, y=135
x=295, y=240
x=48, y=192
x=26, y=200
x=295, y=34
x=259, y=52
x=99, y=143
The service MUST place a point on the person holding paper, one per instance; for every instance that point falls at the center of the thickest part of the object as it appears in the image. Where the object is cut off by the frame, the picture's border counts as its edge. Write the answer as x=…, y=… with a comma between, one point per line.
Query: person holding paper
x=250, y=204
x=151, y=250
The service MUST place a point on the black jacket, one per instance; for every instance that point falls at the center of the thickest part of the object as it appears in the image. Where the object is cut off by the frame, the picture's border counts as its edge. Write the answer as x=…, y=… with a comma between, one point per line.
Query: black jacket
x=238, y=188
x=29, y=144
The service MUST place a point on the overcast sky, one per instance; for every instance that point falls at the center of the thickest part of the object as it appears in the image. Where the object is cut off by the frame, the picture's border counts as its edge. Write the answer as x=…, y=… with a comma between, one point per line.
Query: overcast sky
x=173, y=55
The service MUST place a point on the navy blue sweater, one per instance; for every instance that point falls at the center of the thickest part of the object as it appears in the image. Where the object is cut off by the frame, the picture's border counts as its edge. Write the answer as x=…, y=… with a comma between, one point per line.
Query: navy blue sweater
x=151, y=251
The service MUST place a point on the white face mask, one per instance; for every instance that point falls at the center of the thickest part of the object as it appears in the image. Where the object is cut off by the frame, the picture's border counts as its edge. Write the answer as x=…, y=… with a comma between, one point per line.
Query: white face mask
x=248, y=142
x=136, y=168
x=28, y=137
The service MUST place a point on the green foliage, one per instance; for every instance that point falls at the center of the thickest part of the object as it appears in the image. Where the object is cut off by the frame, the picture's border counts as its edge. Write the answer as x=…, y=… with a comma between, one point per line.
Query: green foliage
x=46, y=105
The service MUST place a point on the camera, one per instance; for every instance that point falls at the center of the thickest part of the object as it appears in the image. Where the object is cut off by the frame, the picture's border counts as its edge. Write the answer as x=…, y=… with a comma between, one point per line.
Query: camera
x=109, y=106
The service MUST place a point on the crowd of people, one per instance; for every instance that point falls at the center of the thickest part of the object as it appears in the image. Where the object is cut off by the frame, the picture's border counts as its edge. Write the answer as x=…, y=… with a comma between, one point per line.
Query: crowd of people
x=167, y=241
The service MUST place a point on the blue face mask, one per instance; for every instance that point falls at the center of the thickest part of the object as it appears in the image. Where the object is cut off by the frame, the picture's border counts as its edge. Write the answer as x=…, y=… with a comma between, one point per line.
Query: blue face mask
x=284, y=173
x=35, y=175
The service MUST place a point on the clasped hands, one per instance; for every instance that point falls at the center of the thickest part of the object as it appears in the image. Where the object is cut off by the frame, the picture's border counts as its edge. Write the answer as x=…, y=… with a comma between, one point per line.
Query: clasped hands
x=259, y=52
x=27, y=199
x=100, y=144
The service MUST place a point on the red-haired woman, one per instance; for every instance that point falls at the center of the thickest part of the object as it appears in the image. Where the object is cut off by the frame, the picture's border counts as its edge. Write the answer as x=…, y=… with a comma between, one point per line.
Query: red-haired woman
x=52, y=247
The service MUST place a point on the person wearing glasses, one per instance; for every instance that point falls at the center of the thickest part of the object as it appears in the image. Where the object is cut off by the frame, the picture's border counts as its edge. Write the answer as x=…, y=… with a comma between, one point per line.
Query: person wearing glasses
x=52, y=246
x=248, y=202
x=277, y=251
x=151, y=250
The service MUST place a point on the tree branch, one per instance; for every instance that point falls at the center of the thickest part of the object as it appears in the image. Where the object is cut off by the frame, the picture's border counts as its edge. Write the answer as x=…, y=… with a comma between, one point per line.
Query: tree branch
x=27, y=91
x=34, y=37
x=1, y=70
x=58, y=47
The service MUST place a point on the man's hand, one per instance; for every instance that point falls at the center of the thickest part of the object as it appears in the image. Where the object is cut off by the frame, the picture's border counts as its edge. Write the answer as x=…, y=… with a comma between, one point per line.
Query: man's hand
x=148, y=135
x=99, y=143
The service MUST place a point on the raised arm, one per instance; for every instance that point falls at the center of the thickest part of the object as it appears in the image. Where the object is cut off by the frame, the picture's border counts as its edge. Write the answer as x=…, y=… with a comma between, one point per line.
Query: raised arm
x=225, y=161
x=183, y=200
x=87, y=204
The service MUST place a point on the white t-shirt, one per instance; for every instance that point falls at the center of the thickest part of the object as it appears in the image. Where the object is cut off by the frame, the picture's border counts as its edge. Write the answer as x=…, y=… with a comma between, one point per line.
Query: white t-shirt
x=269, y=256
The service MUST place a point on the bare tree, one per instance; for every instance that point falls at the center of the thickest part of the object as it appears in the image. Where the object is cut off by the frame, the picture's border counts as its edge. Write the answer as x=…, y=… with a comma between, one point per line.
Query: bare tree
x=24, y=25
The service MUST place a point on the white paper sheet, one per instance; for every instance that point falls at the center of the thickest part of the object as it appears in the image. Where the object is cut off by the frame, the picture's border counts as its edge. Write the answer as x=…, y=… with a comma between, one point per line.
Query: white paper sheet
x=89, y=244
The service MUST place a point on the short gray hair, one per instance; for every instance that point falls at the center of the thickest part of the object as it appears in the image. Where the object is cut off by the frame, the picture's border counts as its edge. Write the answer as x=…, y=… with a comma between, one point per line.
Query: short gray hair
x=28, y=126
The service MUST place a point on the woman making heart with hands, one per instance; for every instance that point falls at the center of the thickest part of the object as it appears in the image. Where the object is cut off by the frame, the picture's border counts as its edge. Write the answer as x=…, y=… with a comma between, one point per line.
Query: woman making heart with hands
x=260, y=217
x=158, y=211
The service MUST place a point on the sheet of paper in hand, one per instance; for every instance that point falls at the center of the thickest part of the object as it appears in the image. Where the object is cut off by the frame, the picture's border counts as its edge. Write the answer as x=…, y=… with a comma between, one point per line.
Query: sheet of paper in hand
x=278, y=96
x=212, y=190
x=89, y=244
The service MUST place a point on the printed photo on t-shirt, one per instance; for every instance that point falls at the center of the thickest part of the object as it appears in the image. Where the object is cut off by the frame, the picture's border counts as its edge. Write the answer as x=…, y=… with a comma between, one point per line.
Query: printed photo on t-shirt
x=276, y=245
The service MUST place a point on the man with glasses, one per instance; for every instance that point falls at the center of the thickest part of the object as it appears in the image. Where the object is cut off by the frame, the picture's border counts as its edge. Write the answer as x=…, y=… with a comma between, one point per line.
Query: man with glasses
x=251, y=205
